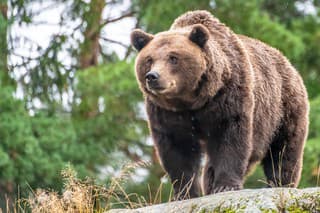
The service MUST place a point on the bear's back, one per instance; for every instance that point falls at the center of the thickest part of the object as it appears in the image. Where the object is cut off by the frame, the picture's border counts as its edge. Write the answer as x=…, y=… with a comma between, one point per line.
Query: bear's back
x=276, y=84
x=205, y=18
x=275, y=80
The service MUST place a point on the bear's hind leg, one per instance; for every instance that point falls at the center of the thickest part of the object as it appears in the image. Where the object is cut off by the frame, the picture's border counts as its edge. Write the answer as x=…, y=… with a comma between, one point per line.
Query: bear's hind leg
x=283, y=162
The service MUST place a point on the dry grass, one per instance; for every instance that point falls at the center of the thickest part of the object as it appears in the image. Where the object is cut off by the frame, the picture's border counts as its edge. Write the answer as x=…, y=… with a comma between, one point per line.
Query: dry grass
x=85, y=196
x=78, y=196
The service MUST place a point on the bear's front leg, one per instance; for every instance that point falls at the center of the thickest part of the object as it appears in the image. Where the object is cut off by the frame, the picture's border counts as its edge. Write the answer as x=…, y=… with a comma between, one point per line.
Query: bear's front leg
x=228, y=151
x=180, y=156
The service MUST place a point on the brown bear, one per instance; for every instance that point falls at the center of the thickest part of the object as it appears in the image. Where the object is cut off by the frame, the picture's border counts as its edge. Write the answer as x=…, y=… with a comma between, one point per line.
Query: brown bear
x=232, y=98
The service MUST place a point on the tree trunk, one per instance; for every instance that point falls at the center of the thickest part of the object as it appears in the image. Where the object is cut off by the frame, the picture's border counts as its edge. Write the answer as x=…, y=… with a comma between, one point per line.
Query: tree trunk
x=89, y=49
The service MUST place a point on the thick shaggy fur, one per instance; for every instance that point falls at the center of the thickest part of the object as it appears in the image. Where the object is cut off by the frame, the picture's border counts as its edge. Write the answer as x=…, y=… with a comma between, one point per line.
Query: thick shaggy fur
x=233, y=98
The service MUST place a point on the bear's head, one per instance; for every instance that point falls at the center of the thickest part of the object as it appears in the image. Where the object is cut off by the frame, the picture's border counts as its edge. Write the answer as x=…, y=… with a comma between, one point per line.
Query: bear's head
x=171, y=66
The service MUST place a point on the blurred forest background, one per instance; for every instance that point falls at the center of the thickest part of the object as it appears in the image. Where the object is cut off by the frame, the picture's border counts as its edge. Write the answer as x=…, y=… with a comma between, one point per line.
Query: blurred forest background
x=74, y=100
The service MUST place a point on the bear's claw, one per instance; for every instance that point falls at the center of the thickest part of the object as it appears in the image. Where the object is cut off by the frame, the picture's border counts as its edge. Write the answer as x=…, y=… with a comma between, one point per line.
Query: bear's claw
x=225, y=189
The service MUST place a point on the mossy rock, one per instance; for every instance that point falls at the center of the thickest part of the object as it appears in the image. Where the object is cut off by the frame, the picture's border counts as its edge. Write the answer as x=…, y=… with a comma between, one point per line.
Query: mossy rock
x=248, y=200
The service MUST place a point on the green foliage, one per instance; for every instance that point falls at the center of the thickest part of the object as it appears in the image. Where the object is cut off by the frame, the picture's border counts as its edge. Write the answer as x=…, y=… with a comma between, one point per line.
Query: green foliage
x=40, y=146
x=256, y=179
x=251, y=21
x=30, y=152
x=284, y=11
x=308, y=64
x=314, y=128
x=155, y=19
x=21, y=150
x=311, y=169
x=4, y=24
x=108, y=113
x=311, y=164
x=3, y=43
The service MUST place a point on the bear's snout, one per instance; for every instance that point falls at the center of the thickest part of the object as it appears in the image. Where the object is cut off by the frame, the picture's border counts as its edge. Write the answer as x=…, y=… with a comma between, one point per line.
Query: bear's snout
x=152, y=78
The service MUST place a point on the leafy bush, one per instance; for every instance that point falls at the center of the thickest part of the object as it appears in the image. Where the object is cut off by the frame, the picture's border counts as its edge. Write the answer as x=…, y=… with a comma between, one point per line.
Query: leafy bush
x=314, y=127
x=34, y=149
x=311, y=166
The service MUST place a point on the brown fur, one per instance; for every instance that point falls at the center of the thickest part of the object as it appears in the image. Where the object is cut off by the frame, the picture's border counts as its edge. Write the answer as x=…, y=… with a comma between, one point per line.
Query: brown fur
x=239, y=97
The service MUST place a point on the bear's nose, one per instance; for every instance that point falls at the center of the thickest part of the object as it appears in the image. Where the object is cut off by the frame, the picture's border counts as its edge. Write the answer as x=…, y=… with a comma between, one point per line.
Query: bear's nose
x=152, y=76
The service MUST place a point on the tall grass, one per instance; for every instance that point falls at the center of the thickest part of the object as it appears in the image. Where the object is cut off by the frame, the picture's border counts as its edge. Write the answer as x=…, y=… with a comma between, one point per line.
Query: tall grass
x=85, y=196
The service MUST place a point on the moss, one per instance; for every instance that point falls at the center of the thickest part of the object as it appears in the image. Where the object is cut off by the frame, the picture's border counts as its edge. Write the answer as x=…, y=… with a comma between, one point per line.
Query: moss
x=224, y=210
x=304, y=203
x=294, y=204
x=203, y=210
x=220, y=209
x=193, y=207
x=297, y=210
x=269, y=211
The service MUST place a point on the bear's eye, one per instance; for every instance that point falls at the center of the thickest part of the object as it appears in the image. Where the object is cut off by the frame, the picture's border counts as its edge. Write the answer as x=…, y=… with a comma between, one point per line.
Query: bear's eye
x=149, y=61
x=173, y=59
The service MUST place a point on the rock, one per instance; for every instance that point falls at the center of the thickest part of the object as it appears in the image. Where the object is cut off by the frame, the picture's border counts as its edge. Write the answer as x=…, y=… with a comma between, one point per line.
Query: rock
x=248, y=200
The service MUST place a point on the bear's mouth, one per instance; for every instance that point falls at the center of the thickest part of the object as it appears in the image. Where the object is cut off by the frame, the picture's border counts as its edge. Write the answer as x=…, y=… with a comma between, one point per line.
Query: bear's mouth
x=155, y=91
x=160, y=90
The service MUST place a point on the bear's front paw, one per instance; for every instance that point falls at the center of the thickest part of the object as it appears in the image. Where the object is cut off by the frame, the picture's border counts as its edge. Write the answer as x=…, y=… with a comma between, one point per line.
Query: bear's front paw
x=218, y=189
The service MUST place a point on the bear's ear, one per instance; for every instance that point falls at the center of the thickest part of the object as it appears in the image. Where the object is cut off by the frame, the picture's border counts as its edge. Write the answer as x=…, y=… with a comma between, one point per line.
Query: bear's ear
x=199, y=35
x=140, y=39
